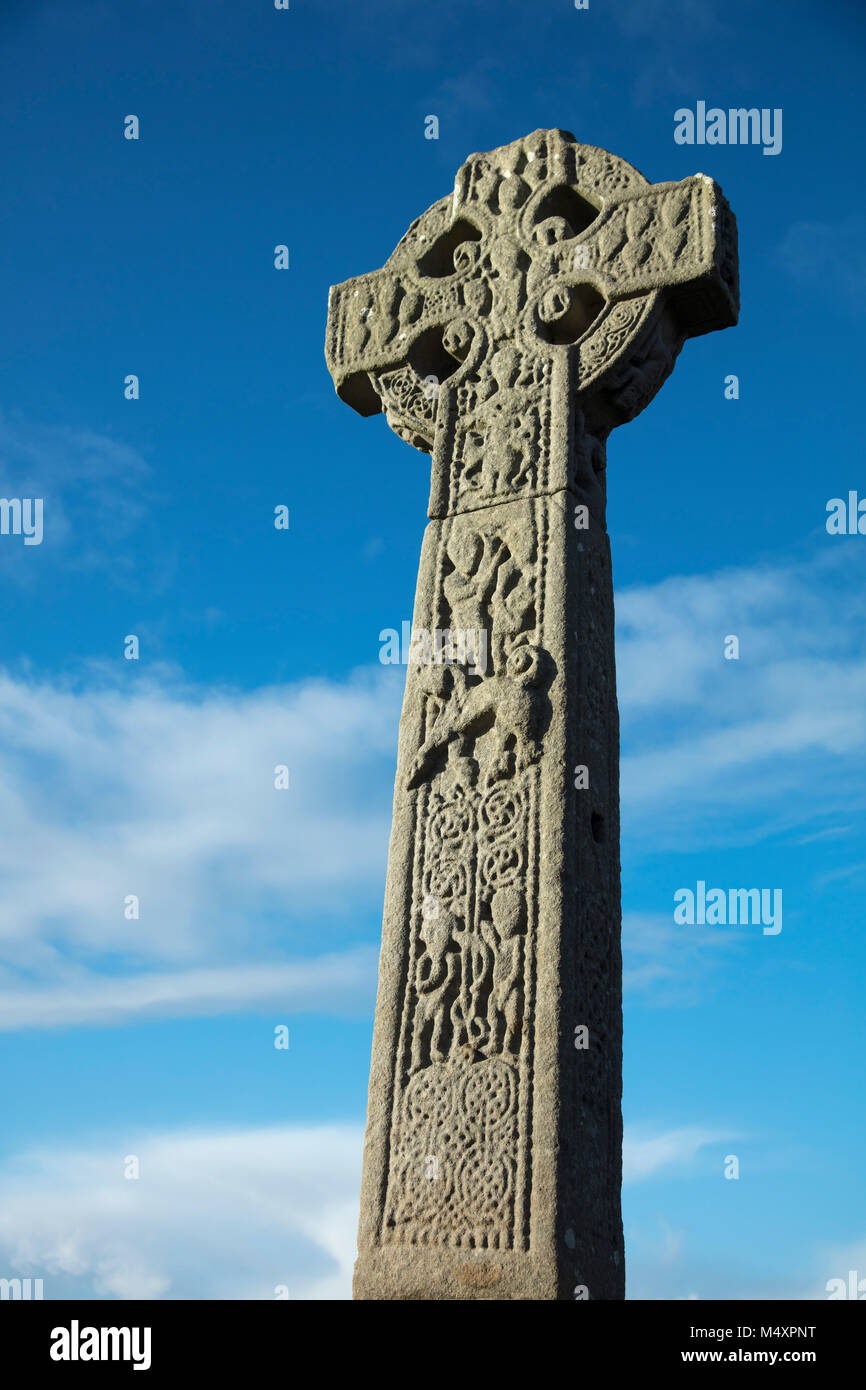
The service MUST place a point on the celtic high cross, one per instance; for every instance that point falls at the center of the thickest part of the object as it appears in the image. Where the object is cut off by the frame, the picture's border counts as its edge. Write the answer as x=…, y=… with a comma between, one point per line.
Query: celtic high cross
x=518, y=321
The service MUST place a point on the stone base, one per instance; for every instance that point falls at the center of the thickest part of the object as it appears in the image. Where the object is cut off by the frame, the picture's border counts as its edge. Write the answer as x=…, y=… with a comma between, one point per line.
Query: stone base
x=419, y=1275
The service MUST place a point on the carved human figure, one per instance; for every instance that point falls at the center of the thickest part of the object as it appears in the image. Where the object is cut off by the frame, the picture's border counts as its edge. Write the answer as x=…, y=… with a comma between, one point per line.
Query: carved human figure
x=513, y=603
x=436, y=983
x=468, y=588
x=489, y=587
x=505, y=1003
x=500, y=444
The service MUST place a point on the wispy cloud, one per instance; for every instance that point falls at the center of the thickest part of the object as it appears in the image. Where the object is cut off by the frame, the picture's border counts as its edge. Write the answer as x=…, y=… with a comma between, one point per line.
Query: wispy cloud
x=341, y=983
x=828, y=260
x=668, y=1262
x=647, y=1153
x=167, y=793
x=668, y=964
x=682, y=19
x=93, y=490
x=734, y=744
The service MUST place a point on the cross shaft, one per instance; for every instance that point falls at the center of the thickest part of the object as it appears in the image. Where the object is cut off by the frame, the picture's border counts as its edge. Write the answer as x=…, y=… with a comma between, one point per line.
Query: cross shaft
x=518, y=321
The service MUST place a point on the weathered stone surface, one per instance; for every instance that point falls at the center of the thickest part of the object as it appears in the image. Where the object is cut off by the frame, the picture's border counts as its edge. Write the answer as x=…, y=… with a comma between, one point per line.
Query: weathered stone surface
x=518, y=321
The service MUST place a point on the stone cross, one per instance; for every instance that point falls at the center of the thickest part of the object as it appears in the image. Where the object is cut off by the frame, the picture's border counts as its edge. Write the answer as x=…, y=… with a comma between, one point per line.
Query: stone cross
x=518, y=321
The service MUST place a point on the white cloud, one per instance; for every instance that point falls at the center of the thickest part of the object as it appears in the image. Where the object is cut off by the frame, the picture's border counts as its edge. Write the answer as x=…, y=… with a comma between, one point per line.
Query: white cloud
x=220, y=1214
x=342, y=983
x=774, y=740
x=646, y=1153
x=168, y=793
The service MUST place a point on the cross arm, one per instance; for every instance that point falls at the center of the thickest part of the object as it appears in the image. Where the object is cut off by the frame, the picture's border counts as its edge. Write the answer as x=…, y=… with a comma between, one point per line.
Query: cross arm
x=677, y=237
x=381, y=321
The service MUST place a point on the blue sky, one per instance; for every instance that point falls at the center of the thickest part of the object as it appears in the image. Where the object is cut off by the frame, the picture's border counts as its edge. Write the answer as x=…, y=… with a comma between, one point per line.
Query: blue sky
x=155, y=257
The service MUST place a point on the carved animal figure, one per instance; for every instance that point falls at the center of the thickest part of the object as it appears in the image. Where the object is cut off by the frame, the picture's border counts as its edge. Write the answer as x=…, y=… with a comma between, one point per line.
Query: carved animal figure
x=509, y=704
